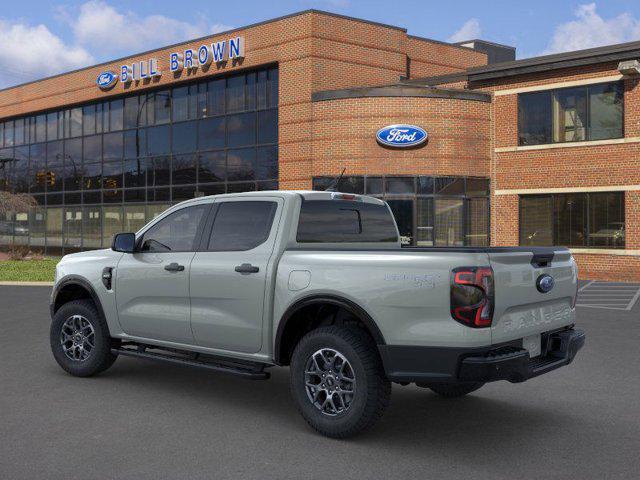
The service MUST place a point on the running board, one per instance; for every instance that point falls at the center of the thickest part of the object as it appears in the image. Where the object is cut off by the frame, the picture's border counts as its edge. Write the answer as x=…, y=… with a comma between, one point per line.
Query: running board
x=245, y=370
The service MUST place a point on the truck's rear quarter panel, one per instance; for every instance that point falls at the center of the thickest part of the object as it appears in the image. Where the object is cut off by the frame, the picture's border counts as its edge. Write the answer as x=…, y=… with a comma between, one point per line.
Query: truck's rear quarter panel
x=405, y=292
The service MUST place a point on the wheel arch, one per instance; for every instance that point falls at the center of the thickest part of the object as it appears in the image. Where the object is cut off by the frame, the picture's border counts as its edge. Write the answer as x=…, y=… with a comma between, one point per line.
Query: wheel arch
x=289, y=318
x=71, y=288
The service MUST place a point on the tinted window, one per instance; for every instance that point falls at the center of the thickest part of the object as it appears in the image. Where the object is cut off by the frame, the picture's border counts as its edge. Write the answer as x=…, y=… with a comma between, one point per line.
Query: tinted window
x=241, y=225
x=176, y=232
x=345, y=221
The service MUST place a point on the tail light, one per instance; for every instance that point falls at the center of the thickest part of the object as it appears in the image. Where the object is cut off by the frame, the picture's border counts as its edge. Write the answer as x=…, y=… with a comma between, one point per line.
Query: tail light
x=472, y=296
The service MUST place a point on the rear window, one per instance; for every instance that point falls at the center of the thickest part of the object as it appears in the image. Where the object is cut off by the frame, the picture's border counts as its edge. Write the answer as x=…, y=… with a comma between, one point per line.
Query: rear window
x=332, y=221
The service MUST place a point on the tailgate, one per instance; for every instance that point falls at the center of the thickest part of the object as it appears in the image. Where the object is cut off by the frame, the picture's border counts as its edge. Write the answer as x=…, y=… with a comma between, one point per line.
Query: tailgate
x=521, y=309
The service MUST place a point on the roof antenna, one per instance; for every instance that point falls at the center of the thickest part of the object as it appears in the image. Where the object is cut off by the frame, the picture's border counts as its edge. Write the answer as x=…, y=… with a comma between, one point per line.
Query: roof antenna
x=336, y=183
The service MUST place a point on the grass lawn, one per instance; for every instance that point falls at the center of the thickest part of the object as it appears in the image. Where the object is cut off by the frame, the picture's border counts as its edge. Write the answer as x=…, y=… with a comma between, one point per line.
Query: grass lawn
x=28, y=270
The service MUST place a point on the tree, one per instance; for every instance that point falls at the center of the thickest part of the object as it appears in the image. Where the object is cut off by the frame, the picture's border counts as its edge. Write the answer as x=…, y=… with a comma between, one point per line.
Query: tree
x=15, y=202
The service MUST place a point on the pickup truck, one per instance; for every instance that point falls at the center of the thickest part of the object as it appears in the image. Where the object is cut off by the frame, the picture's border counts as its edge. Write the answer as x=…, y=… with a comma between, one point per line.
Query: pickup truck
x=319, y=282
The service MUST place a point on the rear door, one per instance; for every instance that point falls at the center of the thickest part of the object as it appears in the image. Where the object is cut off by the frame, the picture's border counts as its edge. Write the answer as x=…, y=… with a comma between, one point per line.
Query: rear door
x=228, y=276
x=522, y=310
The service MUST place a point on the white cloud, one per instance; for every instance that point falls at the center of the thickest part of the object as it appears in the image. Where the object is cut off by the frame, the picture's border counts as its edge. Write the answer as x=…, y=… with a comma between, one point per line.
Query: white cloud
x=107, y=31
x=29, y=52
x=591, y=30
x=469, y=31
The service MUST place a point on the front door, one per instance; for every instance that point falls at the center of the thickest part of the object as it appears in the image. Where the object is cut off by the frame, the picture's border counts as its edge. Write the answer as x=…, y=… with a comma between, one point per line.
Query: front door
x=228, y=277
x=152, y=285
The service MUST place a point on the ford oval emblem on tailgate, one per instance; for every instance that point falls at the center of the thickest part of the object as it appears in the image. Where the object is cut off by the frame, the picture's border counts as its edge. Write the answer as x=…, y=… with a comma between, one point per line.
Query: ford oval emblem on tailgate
x=545, y=283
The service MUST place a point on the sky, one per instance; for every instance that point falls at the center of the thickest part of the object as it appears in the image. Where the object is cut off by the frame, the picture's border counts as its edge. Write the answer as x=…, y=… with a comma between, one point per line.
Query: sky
x=39, y=38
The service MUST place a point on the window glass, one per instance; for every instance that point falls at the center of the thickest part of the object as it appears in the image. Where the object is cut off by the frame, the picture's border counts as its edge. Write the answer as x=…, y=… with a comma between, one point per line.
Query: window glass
x=135, y=143
x=112, y=146
x=211, y=167
x=92, y=227
x=162, y=106
x=201, y=100
x=183, y=137
x=424, y=228
x=605, y=111
x=101, y=112
x=268, y=126
x=19, y=132
x=73, y=227
x=184, y=169
x=534, y=118
x=112, y=224
x=41, y=128
x=92, y=148
x=158, y=171
x=477, y=233
x=403, y=213
x=477, y=187
x=351, y=185
x=211, y=133
x=374, y=186
x=536, y=220
x=241, y=164
x=273, y=88
x=37, y=226
x=54, y=227
x=37, y=167
x=350, y=222
x=134, y=218
x=400, y=185
x=130, y=115
x=116, y=117
x=215, y=97
x=261, y=89
x=21, y=169
x=449, y=186
x=570, y=217
x=158, y=140
x=241, y=129
x=8, y=134
x=176, y=232
x=449, y=222
x=425, y=185
x=235, y=93
x=570, y=115
x=267, y=163
x=112, y=175
x=241, y=225
x=606, y=220
x=250, y=91
x=89, y=115
x=180, y=104
x=75, y=122
x=134, y=173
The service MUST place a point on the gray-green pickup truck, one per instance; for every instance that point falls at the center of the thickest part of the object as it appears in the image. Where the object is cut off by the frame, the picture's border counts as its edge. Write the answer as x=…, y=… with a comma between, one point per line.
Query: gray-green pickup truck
x=319, y=282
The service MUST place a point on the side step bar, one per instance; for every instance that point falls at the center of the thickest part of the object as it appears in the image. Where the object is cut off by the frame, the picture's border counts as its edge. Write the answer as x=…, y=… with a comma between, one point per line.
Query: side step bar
x=246, y=370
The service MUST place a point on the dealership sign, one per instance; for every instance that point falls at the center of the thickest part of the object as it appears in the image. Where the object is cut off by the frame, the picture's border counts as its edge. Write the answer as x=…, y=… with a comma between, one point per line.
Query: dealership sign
x=189, y=59
x=106, y=80
x=401, y=136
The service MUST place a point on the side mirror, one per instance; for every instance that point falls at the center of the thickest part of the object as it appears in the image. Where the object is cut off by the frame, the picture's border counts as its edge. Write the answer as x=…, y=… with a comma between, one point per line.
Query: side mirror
x=124, y=242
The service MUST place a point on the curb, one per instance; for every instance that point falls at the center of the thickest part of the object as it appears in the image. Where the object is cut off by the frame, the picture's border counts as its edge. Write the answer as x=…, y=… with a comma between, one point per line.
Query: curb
x=27, y=284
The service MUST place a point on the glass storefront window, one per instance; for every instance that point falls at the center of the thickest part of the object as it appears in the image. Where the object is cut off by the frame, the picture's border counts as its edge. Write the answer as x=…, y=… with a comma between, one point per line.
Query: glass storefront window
x=112, y=223
x=593, y=220
x=199, y=137
x=424, y=228
x=449, y=222
x=591, y=112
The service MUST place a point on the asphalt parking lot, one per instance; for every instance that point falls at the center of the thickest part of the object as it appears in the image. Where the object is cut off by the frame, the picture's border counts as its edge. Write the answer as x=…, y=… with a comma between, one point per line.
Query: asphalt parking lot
x=146, y=420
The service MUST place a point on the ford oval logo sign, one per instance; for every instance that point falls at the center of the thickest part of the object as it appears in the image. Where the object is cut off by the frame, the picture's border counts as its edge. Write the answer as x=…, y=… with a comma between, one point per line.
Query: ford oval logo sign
x=545, y=283
x=106, y=80
x=401, y=136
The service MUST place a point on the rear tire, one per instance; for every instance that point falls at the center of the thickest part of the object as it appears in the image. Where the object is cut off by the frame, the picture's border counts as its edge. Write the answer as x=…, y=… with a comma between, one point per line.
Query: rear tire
x=80, y=340
x=453, y=390
x=354, y=391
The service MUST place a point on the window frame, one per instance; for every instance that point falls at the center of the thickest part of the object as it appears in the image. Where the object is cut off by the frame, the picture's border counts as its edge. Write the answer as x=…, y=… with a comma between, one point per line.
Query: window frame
x=197, y=242
x=208, y=229
x=552, y=92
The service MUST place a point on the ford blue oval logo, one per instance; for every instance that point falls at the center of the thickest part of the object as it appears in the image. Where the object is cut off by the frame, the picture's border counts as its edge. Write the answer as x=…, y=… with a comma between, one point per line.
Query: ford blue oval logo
x=106, y=80
x=401, y=136
x=545, y=283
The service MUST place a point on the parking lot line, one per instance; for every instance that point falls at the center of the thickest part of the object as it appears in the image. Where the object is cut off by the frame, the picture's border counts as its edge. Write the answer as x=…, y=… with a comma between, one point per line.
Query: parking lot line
x=610, y=296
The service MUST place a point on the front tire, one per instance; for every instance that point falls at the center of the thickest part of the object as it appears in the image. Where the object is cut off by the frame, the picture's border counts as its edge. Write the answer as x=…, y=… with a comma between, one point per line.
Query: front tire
x=338, y=382
x=453, y=390
x=80, y=340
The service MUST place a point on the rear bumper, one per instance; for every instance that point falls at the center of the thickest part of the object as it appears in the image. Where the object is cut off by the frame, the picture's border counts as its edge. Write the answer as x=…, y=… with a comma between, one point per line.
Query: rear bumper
x=511, y=362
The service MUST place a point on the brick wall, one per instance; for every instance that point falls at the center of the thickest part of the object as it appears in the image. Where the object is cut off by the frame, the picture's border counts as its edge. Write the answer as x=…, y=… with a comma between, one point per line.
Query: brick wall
x=429, y=58
x=567, y=167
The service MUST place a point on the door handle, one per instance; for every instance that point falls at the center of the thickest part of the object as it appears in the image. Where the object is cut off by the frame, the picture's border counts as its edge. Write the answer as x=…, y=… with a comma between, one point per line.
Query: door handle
x=246, y=268
x=174, y=267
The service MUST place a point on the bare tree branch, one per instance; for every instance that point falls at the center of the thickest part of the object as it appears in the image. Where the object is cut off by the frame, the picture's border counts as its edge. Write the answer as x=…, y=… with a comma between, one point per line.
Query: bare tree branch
x=16, y=202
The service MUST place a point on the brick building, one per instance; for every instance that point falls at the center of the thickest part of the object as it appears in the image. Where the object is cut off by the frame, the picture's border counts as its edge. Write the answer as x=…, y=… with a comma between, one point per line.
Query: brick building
x=534, y=152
